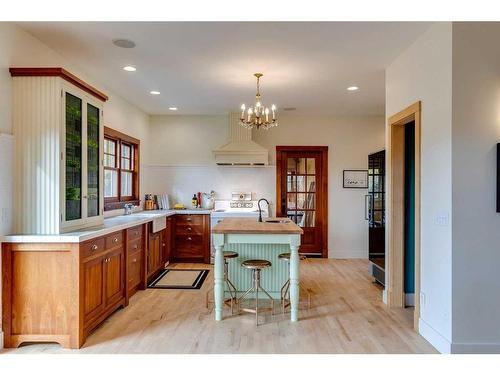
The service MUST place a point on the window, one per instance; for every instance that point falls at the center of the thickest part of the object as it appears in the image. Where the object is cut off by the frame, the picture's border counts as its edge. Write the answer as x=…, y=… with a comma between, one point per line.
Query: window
x=121, y=169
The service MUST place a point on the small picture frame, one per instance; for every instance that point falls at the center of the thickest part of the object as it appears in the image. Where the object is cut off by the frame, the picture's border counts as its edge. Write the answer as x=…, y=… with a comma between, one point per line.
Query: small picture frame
x=355, y=179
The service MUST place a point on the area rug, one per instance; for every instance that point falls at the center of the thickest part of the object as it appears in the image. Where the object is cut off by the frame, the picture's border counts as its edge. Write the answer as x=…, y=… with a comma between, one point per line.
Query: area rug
x=179, y=279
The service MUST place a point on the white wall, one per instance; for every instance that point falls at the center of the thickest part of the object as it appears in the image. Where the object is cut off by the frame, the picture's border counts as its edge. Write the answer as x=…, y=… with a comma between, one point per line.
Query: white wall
x=476, y=234
x=20, y=49
x=181, y=152
x=423, y=72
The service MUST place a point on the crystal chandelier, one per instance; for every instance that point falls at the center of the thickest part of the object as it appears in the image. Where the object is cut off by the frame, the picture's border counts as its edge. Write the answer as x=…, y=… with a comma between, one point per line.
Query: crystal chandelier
x=258, y=116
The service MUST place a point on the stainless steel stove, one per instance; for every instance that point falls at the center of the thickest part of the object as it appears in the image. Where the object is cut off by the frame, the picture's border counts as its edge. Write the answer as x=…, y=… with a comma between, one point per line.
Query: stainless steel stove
x=240, y=205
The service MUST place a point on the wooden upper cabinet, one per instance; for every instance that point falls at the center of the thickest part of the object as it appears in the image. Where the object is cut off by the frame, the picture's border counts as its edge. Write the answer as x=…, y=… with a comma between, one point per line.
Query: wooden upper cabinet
x=66, y=134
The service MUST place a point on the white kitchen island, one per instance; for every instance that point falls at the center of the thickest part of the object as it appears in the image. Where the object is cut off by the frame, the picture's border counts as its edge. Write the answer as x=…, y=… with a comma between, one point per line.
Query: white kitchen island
x=259, y=240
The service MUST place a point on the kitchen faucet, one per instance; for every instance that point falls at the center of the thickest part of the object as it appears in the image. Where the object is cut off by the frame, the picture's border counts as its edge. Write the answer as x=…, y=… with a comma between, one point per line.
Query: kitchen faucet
x=128, y=208
x=260, y=209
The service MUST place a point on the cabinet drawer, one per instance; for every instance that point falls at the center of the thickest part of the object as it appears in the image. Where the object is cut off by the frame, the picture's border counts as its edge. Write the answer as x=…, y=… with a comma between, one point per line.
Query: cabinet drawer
x=188, y=229
x=134, y=245
x=134, y=269
x=92, y=247
x=192, y=220
x=189, y=246
x=134, y=233
x=114, y=240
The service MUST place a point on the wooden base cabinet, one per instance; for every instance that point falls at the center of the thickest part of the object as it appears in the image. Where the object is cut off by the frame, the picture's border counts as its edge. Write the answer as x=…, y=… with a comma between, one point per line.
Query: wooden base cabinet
x=159, y=250
x=192, y=238
x=59, y=292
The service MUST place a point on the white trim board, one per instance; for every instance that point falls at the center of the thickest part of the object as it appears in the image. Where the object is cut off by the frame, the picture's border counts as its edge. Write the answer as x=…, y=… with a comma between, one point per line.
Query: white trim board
x=434, y=337
x=475, y=348
x=1, y=339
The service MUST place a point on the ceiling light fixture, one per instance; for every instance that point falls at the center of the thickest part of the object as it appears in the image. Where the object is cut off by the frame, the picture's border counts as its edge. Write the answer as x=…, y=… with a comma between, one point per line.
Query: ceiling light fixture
x=124, y=43
x=129, y=68
x=154, y=92
x=353, y=88
x=172, y=108
x=258, y=115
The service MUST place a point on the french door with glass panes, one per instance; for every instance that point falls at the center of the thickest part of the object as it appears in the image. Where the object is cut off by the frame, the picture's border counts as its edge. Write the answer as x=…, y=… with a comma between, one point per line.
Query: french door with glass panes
x=81, y=161
x=302, y=193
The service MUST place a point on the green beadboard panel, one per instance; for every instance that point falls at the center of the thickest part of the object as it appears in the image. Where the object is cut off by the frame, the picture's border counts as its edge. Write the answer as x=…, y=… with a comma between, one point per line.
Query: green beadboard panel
x=272, y=278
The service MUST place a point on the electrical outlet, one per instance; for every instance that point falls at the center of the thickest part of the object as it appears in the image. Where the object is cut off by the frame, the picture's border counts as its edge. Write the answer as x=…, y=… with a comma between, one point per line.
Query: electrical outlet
x=422, y=300
x=442, y=218
x=4, y=214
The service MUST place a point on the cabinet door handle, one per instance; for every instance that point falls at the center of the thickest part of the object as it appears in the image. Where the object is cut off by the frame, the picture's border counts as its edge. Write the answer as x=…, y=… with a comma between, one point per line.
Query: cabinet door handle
x=189, y=229
x=189, y=238
x=188, y=219
x=115, y=240
x=163, y=245
x=134, y=260
x=94, y=247
x=135, y=246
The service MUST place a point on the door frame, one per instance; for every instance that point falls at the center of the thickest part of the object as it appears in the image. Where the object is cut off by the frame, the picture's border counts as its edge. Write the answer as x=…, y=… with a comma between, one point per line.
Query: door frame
x=395, y=166
x=324, y=172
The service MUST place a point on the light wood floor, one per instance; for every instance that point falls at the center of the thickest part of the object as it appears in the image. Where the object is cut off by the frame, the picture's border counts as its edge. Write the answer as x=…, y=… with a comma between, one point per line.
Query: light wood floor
x=347, y=316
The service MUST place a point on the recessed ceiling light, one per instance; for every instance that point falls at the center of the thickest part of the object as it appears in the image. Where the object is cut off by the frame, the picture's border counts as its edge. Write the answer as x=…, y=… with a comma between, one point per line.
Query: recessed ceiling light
x=154, y=92
x=172, y=108
x=129, y=68
x=124, y=43
x=352, y=88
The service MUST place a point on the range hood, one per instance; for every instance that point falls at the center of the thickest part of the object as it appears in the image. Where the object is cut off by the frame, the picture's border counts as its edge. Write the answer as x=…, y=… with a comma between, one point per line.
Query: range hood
x=240, y=150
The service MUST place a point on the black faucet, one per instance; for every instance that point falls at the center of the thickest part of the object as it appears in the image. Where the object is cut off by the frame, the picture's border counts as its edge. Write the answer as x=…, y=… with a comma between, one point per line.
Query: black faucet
x=260, y=209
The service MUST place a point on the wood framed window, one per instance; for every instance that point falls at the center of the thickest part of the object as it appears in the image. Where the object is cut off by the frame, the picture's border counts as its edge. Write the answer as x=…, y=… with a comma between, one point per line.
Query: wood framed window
x=121, y=169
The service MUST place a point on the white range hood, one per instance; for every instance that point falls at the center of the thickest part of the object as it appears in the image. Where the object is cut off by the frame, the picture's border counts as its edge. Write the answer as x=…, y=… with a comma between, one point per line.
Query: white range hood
x=240, y=150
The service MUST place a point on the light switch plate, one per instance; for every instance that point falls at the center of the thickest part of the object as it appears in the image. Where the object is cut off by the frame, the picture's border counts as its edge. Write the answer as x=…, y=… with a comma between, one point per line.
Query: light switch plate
x=442, y=218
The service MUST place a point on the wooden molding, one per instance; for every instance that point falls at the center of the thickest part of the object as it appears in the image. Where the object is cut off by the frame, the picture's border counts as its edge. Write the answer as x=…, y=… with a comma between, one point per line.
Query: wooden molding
x=406, y=115
x=112, y=133
x=395, y=249
x=58, y=72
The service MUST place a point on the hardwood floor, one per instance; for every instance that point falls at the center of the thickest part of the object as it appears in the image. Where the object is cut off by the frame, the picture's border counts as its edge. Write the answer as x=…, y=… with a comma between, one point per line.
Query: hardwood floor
x=347, y=316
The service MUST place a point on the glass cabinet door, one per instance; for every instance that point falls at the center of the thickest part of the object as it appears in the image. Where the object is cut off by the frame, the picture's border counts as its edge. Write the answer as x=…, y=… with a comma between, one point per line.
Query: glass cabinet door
x=73, y=157
x=93, y=152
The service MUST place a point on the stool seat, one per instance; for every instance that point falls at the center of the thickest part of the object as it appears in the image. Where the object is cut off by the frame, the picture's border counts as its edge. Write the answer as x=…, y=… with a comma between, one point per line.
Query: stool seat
x=286, y=257
x=230, y=254
x=256, y=264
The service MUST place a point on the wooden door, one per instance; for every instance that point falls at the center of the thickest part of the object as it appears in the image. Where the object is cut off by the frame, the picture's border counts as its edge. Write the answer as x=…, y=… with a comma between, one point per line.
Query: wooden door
x=154, y=252
x=94, y=299
x=114, y=276
x=302, y=193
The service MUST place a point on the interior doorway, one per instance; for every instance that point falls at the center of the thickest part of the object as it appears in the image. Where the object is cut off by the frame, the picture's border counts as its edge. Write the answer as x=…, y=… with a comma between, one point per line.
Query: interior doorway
x=403, y=226
x=302, y=193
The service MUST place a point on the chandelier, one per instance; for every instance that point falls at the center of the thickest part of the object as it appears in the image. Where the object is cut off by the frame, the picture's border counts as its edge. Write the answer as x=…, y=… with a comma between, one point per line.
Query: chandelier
x=258, y=116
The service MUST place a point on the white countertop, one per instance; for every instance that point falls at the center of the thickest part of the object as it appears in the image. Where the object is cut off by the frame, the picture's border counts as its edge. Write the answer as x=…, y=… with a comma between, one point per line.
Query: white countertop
x=109, y=225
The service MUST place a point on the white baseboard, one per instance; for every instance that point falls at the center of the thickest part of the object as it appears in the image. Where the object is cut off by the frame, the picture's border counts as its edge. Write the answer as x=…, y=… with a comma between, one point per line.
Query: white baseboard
x=348, y=254
x=1, y=339
x=475, y=348
x=434, y=337
x=384, y=296
x=409, y=299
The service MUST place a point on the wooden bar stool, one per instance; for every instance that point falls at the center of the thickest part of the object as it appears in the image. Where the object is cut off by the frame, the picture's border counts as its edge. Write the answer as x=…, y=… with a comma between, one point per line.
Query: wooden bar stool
x=229, y=285
x=285, y=289
x=256, y=265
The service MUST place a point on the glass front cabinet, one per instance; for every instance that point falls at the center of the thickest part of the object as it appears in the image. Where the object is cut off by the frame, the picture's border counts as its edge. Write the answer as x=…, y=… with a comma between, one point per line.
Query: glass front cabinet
x=82, y=160
x=59, y=137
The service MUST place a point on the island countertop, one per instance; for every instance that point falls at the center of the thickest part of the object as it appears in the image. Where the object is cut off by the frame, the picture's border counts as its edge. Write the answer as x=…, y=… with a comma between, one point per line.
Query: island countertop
x=233, y=225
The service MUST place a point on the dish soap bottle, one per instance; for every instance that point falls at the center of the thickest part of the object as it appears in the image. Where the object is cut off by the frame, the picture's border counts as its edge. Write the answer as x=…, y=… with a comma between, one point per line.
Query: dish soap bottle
x=194, y=201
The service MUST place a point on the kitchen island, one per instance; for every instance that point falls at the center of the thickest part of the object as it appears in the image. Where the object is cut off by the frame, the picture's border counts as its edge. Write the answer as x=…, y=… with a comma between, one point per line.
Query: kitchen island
x=257, y=240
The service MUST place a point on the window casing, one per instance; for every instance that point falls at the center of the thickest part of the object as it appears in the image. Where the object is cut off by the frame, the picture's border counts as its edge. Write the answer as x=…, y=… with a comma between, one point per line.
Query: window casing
x=121, y=169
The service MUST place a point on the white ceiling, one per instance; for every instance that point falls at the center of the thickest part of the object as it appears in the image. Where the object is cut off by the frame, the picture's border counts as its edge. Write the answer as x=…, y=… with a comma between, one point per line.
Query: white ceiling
x=207, y=68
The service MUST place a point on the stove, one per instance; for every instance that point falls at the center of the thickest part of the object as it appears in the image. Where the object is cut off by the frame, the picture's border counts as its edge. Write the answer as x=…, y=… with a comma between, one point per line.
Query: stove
x=240, y=205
